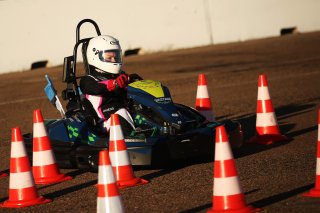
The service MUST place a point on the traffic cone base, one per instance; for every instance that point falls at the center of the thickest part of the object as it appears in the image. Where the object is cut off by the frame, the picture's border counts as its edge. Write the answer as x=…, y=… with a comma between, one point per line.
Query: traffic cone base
x=133, y=182
x=51, y=180
x=125, y=174
x=268, y=139
x=246, y=209
x=24, y=203
x=312, y=193
x=48, y=174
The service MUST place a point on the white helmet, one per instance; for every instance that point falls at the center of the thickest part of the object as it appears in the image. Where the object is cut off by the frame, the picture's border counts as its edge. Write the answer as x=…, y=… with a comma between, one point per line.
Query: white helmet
x=104, y=53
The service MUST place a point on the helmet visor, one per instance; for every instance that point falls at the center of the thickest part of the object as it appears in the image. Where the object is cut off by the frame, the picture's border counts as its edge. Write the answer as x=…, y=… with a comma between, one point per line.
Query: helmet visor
x=113, y=56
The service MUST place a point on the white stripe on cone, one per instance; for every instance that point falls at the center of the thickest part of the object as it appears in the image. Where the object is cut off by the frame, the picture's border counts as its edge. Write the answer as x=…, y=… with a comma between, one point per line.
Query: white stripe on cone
x=109, y=205
x=43, y=158
x=266, y=119
x=318, y=159
x=18, y=150
x=116, y=133
x=263, y=93
x=223, y=151
x=105, y=175
x=119, y=158
x=21, y=180
x=39, y=130
x=202, y=92
x=226, y=186
x=318, y=167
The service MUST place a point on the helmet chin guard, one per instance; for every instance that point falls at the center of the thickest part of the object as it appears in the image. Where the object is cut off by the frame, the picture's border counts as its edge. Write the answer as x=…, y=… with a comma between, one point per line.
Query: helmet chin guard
x=97, y=50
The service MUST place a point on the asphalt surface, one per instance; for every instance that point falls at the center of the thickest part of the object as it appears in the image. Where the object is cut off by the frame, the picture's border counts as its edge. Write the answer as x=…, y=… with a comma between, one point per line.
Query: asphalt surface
x=272, y=177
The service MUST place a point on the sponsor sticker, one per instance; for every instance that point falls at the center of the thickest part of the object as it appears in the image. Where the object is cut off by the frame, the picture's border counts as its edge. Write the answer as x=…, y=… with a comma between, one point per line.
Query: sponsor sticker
x=164, y=100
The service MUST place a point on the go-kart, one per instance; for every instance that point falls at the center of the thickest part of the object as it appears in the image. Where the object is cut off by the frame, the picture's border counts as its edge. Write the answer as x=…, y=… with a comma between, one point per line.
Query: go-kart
x=164, y=131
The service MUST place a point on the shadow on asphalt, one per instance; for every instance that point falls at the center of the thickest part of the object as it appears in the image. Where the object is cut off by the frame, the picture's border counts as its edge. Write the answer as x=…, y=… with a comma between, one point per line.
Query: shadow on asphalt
x=260, y=203
x=176, y=165
x=198, y=209
x=282, y=196
x=73, y=174
x=71, y=189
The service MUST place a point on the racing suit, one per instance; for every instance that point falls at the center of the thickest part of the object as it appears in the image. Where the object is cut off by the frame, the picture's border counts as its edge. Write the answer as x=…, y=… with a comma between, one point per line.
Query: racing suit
x=107, y=96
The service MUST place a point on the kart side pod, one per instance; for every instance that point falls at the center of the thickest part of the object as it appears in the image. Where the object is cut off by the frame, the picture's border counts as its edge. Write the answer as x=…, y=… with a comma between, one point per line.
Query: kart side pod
x=170, y=128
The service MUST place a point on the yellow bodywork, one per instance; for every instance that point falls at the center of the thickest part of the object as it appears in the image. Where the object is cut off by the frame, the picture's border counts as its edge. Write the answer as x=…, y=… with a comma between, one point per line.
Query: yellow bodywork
x=152, y=87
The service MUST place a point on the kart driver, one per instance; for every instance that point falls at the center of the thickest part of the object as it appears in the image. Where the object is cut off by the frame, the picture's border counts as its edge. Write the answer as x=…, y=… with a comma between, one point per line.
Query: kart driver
x=106, y=85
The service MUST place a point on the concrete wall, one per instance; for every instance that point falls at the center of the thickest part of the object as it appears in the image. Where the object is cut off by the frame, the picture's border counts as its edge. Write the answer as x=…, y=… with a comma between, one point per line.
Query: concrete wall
x=248, y=19
x=34, y=30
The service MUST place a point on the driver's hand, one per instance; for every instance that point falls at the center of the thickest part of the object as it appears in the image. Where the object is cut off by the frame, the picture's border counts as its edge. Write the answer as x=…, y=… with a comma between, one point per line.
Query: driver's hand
x=122, y=80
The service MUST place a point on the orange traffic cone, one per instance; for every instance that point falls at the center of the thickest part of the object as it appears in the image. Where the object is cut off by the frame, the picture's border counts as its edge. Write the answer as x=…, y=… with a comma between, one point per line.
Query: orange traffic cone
x=227, y=192
x=315, y=192
x=45, y=170
x=108, y=199
x=267, y=130
x=22, y=192
x=203, y=102
x=119, y=156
